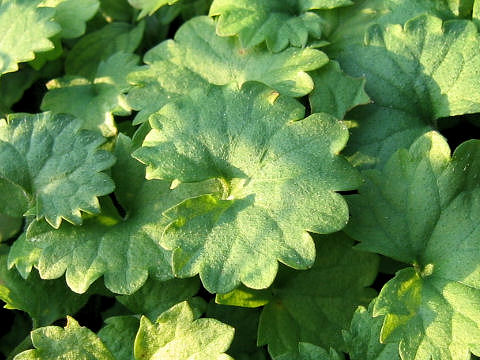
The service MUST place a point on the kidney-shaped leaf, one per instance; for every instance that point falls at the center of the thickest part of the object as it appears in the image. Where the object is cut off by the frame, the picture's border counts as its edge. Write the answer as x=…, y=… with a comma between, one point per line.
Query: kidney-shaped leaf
x=279, y=178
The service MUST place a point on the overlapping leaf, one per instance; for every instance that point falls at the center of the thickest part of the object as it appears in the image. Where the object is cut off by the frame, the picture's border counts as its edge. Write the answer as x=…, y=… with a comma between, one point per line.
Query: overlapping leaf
x=85, y=57
x=363, y=337
x=34, y=24
x=44, y=301
x=308, y=351
x=178, y=335
x=72, y=15
x=94, y=102
x=277, y=22
x=51, y=167
x=422, y=209
x=414, y=77
x=309, y=306
x=198, y=57
x=279, y=176
x=71, y=342
x=148, y=7
x=335, y=92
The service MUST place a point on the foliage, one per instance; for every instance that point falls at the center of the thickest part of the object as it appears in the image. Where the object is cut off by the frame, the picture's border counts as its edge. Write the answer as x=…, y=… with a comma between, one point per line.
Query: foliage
x=248, y=179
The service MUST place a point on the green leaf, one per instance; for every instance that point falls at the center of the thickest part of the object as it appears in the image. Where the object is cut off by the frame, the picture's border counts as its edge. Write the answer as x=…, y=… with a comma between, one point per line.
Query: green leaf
x=94, y=102
x=155, y=296
x=245, y=322
x=124, y=251
x=16, y=340
x=198, y=57
x=277, y=22
x=118, y=10
x=87, y=54
x=9, y=226
x=72, y=15
x=34, y=24
x=308, y=351
x=414, y=77
x=118, y=335
x=45, y=301
x=476, y=13
x=177, y=335
x=279, y=178
x=12, y=87
x=23, y=255
x=421, y=209
x=335, y=92
x=148, y=7
x=363, y=337
x=315, y=305
x=52, y=167
x=71, y=342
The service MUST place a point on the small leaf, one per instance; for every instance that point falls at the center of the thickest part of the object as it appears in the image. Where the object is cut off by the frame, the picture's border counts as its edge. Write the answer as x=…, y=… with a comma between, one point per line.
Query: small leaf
x=45, y=301
x=53, y=167
x=335, y=92
x=176, y=335
x=118, y=335
x=308, y=351
x=71, y=342
x=148, y=7
x=279, y=23
x=35, y=25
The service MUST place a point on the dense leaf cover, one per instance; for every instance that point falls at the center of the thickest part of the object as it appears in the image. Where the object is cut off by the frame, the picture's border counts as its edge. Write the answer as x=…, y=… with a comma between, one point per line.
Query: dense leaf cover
x=240, y=179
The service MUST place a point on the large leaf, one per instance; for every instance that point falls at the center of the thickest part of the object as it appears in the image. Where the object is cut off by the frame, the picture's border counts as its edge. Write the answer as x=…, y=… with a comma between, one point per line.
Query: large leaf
x=363, y=337
x=279, y=176
x=71, y=342
x=198, y=57
x=45, y=301
x=177, y=335
x=95, y=102
x=52, y=167
x=422, y=209
x=314, y=305
x=72, y=15
x=26, y=29
x=278, y=22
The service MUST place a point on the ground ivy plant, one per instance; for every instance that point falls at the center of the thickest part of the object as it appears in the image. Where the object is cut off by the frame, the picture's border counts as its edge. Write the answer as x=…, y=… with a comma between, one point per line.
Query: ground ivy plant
x=240, y=179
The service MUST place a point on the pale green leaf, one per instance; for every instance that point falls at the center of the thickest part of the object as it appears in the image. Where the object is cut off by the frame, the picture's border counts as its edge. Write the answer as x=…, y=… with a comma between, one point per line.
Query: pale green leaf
x=316, y=305
x=118, y=335
x=54, y=165
x=72, y=15
x=335, y=92
x=155, y=297
x=420, y=209
x=23, y=255
x=35, y=26
x=72, y=342
x=87, y=54
x=198, y=57
x=177, y=335
x=279, y=23
x=476, y=13
x=363, y=337
x=148, y=7
x=279, y=176
x=94, y=102
x=308, y=351
x=45, y=301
